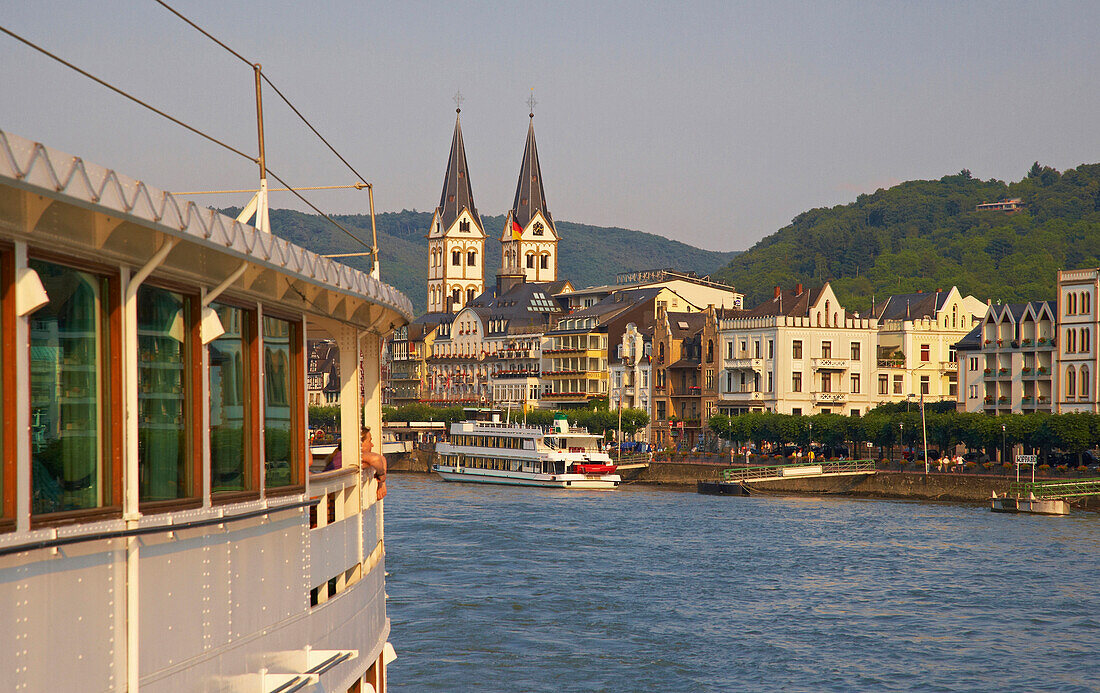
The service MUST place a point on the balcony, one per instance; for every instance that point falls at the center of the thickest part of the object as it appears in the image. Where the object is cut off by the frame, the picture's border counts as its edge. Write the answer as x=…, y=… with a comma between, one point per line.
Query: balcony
x=830, y=397
x=829, y=364
x=565, y=396
x=891, y=363
x=689, y=391
x=744, y=364
x=950, y=366
x=743, y=395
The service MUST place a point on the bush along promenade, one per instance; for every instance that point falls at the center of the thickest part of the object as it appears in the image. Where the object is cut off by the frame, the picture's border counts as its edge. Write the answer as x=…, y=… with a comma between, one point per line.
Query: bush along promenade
x=893, y=435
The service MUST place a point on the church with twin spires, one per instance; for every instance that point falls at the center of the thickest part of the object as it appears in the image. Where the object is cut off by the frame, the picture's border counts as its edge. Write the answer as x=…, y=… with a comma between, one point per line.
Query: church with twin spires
x=456, y=238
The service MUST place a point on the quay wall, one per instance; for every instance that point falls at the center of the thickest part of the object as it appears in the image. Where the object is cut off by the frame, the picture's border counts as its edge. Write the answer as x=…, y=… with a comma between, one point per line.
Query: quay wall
x=915, y=485
x=415, y=461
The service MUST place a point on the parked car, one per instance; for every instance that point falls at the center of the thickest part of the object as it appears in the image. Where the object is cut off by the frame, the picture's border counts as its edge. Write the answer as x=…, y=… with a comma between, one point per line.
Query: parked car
x=976, y=456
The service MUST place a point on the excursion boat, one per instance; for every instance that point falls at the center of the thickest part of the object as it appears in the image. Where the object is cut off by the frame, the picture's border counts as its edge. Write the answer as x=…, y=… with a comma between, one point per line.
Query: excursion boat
x=160, y=528
x=486, y=450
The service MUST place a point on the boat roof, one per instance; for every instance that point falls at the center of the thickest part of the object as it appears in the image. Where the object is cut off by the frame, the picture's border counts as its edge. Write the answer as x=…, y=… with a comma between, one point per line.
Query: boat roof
x=133, y=219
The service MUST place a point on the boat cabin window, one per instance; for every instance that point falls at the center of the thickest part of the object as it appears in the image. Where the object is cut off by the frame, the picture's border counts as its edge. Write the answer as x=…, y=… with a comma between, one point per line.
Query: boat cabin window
x=283, y=422
x=74, y=390
x=169, y=456
x=232, y=394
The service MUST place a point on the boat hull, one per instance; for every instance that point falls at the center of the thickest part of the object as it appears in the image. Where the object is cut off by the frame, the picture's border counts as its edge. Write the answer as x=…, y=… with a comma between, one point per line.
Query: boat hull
x=490, y=476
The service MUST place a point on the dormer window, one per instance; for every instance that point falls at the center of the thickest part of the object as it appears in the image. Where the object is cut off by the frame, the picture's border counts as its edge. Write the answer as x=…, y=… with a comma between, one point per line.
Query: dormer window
x=450, y=198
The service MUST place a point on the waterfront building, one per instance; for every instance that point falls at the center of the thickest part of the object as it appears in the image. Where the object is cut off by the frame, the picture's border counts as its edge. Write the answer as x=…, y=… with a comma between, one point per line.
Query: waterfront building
x=686, y=359
x=916, y=336
x=694, y=290
x=801, y=352
x=1078, y=326
x=631, y=368
x=1007, y=363
x=409, y=347
x=160, y=526
x=575, y=353
x=323, y=379
x=456, y=238
x=489, y=351
x=529, y=242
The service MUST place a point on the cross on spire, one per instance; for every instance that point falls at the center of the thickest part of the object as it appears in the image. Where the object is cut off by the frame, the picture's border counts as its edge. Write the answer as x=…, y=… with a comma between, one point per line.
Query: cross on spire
x=458, y=99
x=531, y=103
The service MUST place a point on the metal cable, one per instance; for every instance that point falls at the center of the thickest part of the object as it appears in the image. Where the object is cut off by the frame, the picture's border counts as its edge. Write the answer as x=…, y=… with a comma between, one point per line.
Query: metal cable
x=271, y=84
x=314, y=208
x=204, y=32
x=136, y=100
x=310, y=126
x=195, y=130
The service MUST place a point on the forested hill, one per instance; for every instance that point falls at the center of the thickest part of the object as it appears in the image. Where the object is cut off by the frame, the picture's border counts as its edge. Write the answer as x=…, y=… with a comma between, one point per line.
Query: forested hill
x=926, y=235
x=589, y=255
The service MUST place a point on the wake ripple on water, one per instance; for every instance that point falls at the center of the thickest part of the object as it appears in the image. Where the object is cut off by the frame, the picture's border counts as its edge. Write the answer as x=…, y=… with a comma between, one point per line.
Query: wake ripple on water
x=511, y=589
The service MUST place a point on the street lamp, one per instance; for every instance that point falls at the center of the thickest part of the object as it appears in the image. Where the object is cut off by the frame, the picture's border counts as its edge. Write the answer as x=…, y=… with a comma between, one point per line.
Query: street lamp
x=901, y=438
x=811, y=425
x=1004, y=443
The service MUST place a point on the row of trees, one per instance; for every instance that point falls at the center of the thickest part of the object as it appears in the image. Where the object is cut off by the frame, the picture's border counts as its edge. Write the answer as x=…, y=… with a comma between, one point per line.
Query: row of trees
x=1039, y=432
x=600, y=420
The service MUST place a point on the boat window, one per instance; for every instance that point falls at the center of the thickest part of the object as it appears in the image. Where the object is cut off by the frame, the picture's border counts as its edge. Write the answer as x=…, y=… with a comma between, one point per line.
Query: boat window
x=282, y=403
x=71, y=386
x=167, y=449
x=231, y=396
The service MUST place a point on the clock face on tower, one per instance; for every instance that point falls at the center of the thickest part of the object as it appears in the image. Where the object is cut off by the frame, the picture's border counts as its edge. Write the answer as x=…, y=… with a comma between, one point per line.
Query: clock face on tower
x=537, y=228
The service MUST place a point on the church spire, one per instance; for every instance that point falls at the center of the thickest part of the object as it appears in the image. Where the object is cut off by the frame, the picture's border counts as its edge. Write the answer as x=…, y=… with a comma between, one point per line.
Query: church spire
x=457, y=192
x=530, y=196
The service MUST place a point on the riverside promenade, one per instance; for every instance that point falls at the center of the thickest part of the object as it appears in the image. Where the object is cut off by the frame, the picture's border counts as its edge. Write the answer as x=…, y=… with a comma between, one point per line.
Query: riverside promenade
x=892, y=480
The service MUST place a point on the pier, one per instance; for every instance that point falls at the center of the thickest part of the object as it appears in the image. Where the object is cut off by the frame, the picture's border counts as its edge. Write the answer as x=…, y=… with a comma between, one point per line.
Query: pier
x=734, y=480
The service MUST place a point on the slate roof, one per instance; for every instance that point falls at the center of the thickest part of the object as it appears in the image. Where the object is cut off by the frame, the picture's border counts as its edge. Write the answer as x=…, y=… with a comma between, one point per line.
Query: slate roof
x=972, y=341
x=788, y=303
x=613, y=305
x=525, y=305
x=530, y=196
x=457, y=192
x=910, y=306
x=1017, y=310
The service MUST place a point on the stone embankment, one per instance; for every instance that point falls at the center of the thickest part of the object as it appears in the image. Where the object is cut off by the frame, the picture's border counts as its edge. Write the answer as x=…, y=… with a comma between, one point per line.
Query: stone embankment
x=417, y=461
x=964, y=487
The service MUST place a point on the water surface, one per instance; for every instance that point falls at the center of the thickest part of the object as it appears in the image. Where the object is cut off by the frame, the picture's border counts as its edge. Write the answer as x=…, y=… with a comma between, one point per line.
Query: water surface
x=646, y=589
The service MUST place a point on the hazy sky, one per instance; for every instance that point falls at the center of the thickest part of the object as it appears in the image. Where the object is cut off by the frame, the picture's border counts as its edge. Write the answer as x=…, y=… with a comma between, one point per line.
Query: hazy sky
x=711, y=123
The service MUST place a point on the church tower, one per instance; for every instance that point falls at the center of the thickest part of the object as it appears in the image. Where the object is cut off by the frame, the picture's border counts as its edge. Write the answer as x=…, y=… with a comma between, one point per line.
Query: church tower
x=529, y=243
x=456, y=238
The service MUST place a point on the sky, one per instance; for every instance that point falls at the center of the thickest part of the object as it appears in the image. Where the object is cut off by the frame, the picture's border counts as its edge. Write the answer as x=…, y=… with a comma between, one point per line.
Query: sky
x=712, y=123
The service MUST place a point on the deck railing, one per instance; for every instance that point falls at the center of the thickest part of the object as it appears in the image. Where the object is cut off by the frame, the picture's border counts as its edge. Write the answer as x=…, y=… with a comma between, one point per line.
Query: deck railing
x=737, y=474
x=1063, y=488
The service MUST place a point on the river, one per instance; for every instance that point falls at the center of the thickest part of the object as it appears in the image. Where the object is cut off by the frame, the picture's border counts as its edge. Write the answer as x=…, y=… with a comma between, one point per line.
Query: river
x=497, y=588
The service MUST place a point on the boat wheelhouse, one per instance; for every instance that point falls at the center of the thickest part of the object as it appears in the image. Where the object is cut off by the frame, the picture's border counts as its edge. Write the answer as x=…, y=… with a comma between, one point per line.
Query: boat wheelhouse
x=159, y=526
x=483, y=449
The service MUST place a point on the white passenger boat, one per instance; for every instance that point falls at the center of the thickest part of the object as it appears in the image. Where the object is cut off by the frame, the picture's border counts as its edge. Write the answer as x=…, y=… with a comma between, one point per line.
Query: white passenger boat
x=159, y=527
x=486, y=450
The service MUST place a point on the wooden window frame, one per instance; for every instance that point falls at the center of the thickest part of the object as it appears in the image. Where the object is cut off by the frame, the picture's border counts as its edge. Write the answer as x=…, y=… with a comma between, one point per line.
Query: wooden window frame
x=298, y=440
x=8, y=446
x=254, y=412
x=195, y=405
x=111, y=381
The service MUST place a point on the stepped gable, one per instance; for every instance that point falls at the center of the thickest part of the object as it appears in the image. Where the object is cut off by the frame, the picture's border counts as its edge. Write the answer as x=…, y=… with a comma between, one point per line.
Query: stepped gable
x=457, y=192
